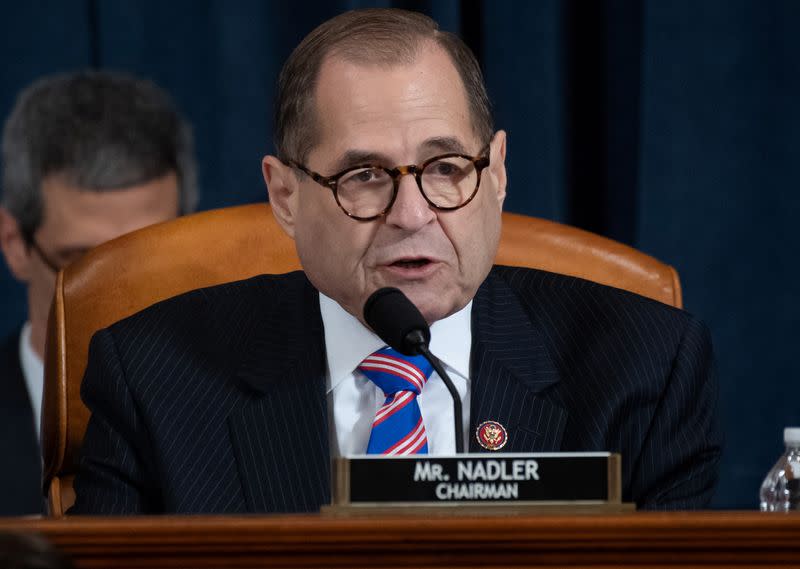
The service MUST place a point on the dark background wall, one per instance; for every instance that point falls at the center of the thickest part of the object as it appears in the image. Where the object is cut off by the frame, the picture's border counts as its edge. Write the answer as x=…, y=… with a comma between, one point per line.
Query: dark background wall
x=671, y=126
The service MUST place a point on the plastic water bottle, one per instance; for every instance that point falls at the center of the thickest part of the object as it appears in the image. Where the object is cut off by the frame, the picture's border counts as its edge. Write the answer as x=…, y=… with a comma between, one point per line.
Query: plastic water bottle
x=780, y=491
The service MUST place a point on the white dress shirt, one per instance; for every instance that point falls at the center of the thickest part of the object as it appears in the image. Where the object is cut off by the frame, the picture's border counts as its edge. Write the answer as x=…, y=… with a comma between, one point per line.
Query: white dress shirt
x=354, y=399
x=33, y=371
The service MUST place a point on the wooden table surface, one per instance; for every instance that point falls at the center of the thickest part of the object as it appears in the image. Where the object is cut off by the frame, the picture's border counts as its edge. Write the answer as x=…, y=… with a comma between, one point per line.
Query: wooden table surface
x=439, y=539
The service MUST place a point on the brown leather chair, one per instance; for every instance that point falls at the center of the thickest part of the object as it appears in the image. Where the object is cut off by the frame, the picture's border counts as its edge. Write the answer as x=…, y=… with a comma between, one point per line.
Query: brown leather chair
x=136, y=270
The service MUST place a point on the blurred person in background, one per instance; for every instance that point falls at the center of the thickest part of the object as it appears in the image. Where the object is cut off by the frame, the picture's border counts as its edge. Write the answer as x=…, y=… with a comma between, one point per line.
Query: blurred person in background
x=86, y=157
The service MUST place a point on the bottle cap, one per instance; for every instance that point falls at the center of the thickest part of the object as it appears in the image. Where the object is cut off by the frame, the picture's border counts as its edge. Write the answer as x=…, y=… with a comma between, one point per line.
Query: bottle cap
x=791, y=435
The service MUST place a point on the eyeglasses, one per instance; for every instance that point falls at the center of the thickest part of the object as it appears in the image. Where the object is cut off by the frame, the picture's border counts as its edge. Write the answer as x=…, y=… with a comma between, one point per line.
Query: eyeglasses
x=52, y=265
x=47, y=259
x=368, y=191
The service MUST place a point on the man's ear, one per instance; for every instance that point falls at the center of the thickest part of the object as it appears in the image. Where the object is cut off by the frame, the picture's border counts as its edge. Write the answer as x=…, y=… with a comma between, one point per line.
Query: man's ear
x=497, y=164
x=14, y=247
x=282, y=187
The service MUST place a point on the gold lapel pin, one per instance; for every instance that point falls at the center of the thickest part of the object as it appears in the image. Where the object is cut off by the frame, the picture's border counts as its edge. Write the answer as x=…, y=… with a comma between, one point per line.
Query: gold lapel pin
x=491, y=435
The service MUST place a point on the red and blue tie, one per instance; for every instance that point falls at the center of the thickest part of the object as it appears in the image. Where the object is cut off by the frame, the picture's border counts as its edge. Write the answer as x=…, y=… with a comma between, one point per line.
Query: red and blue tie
x=397, y=428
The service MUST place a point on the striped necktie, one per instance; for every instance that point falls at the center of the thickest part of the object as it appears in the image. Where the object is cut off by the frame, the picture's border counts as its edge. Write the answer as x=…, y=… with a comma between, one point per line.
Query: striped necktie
x=397, y=428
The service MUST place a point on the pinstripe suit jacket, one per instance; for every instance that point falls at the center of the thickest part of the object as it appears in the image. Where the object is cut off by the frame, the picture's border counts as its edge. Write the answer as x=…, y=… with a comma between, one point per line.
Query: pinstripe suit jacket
x=215, y=401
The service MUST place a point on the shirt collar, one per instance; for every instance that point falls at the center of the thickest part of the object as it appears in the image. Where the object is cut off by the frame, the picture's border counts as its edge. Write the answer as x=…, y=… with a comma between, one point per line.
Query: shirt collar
x=33, y=372
x=348, y=341
x=451, y=340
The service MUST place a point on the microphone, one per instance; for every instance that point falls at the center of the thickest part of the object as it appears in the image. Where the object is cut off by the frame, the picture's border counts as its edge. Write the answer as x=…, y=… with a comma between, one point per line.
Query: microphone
x=399, y=323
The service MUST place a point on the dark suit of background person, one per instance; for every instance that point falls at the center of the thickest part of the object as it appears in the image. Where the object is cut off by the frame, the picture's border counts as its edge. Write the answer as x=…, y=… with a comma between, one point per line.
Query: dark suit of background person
x=216, y=401
x=19, y=447
x=87, y=156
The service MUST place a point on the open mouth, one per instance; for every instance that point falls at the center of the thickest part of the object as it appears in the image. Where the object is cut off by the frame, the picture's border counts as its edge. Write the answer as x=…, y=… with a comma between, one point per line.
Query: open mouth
x=411, y=263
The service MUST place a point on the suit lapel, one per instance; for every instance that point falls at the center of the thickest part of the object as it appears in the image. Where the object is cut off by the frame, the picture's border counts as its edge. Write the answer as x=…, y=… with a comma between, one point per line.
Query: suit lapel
x=280, y=434
x=511, y=372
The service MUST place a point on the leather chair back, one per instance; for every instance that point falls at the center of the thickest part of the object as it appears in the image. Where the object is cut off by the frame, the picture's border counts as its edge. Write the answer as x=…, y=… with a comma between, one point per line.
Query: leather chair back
x=126, y=275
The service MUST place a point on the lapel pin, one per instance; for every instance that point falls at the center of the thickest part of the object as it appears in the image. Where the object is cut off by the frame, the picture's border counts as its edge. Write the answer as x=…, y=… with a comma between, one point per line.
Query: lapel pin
x=491, y=435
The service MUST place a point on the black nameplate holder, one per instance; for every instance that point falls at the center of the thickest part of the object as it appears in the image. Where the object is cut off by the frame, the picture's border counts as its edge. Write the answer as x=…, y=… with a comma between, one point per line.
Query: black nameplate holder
x=583, y=479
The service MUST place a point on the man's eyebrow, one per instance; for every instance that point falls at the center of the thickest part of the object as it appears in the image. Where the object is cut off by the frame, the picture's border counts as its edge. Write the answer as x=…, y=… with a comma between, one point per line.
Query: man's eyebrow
x=444, y=144
x=356, y=157
x=431, y=146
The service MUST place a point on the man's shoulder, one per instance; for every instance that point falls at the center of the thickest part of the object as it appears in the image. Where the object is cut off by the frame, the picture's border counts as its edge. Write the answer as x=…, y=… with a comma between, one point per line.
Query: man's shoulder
x=263, y=289
x=571, y=306
x=213, y=311
x=569, y=291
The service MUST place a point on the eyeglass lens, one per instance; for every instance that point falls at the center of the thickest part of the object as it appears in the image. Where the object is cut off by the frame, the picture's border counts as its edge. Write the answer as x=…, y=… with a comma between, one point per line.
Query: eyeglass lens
x=446, y=182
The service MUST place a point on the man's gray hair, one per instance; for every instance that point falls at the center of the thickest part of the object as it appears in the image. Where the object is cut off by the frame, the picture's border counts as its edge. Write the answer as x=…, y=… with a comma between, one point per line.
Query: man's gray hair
x=102, y=131
x=383, y=36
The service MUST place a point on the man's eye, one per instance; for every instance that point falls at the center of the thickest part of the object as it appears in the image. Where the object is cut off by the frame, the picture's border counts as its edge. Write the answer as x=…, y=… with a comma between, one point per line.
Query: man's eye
x=443, y=168
x=366, y=176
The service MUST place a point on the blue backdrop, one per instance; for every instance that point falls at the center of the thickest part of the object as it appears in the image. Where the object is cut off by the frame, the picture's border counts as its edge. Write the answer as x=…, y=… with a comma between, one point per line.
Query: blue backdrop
x=672, y=126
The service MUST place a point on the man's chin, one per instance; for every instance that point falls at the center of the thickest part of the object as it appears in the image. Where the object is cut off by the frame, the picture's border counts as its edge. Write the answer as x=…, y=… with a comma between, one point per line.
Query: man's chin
x=433, y=306
x=434, y=296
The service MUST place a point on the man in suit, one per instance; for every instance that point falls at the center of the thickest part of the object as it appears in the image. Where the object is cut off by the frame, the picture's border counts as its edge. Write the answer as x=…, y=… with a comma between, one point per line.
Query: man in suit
x=86, y=157
x=388, y=173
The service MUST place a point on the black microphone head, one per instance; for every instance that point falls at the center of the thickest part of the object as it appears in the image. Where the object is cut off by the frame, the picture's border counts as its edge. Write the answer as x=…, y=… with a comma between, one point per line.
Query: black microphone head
x=396, y=320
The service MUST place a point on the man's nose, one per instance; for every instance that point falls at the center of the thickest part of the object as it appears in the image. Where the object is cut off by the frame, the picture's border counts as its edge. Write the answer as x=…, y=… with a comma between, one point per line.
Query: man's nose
x=410, y=211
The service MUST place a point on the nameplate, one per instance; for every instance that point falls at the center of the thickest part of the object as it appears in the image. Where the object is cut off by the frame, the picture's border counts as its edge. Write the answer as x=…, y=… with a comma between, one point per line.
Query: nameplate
x=540, y=478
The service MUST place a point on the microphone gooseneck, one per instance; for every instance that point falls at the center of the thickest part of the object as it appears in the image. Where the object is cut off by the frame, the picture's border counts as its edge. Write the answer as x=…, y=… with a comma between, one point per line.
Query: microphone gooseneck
x=399, y=323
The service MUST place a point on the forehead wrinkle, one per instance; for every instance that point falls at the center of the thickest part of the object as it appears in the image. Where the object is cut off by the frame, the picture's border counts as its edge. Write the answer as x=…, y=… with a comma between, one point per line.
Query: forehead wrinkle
x=370, y=121
x=443, y=144
x=355, y=157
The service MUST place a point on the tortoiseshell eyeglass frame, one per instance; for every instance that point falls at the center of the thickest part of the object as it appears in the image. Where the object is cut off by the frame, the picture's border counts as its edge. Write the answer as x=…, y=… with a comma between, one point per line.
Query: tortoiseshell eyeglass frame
x=331, y=182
